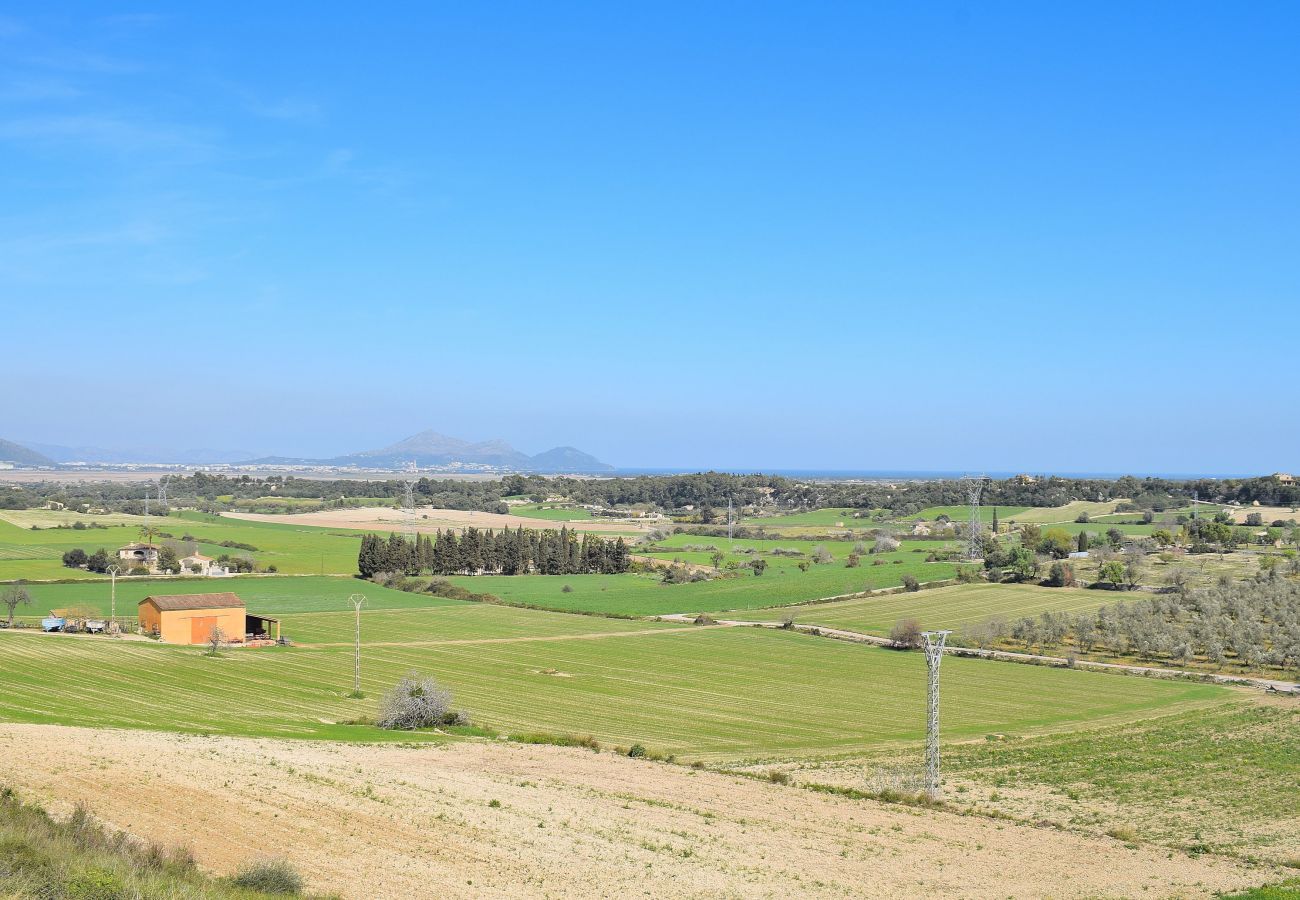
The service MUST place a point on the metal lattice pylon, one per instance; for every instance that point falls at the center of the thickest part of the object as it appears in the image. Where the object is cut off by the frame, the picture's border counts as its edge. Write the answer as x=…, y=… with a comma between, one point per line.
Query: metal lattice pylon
x=408, y=506
x=974, y=488
x=934, y=644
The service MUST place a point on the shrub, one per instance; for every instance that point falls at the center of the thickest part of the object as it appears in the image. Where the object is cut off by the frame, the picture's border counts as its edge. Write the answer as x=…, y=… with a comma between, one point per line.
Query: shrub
x=567, y=589
x=1061, y=574
x=778, y=776
x=910, y=583
x=637, y=751
x=270, y=876
x=906, y=633
x=705, y=619
x=414, y=702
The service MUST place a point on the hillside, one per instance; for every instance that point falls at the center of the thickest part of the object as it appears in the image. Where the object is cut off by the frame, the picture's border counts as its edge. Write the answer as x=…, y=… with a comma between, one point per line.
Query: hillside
x=22, y=456
x=567, y=459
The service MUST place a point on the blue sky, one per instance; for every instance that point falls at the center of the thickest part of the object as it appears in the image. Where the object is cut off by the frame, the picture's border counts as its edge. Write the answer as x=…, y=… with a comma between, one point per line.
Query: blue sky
x=812, y=235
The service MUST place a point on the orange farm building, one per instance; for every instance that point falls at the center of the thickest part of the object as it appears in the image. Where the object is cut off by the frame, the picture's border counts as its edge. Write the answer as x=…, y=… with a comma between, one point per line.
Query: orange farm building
x=192, y=618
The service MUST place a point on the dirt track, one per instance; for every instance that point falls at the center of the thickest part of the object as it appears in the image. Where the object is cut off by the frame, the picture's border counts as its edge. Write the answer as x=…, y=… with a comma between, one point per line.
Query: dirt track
x=374, y=821
x=429, y=519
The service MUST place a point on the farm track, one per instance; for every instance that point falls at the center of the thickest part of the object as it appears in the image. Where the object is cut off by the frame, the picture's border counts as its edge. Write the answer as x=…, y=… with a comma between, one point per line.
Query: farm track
x=417, y=822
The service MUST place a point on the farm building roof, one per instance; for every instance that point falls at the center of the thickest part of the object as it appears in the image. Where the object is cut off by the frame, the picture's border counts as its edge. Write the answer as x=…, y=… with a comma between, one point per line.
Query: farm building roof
x=194, y=601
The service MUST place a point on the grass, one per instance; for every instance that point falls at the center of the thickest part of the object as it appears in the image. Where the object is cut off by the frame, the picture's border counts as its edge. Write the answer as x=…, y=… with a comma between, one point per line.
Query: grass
x=292, y=549
x=77, y=858
x=551, y=513
x=271, y=595
x=1287, y=890
x=646, y=595
x=722, y=693
x=1050, y=515
x=1218, y=779
x=945, y=607
x=962, y=513
x=846, y=517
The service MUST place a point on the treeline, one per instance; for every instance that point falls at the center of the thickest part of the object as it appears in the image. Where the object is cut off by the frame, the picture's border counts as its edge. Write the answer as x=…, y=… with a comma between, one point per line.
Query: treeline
x=486, y=552
x=702, y=491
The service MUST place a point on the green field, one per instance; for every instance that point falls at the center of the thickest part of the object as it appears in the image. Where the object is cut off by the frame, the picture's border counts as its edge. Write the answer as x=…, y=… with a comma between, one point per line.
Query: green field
x=829, y=518
x=292, y=549
x=1067, y=513
x=962, y=513
x=945, y=607
x=269, y=595
x=551, y=513
x=722, y=693
x=646, y=595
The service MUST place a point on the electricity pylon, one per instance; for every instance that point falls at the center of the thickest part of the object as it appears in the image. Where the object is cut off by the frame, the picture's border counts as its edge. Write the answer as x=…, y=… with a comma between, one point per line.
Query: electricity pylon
x=974, y=487
x=934, y=644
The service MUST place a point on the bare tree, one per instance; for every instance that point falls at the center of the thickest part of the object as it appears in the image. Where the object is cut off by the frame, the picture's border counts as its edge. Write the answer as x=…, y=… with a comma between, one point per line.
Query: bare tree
x=906, y=633
x=16, y=596
x=215, y=640
x=414, y=702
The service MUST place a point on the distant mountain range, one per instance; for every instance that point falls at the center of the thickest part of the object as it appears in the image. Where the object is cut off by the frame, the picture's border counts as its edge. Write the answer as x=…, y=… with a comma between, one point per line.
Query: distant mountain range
x=429, y=449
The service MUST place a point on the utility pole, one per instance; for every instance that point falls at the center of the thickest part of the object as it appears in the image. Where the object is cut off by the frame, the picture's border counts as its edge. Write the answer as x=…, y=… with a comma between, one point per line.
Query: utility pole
x=934, y=644
x=112, y=603
x=731, y=523
x=357, y=600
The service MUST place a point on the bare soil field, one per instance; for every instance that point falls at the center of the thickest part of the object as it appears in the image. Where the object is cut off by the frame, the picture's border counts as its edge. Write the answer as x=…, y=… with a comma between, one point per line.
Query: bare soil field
x=430, y=519
x=477, y=817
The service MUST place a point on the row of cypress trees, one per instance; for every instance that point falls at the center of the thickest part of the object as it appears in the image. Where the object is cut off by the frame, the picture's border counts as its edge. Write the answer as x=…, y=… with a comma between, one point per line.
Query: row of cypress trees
x=487, y=552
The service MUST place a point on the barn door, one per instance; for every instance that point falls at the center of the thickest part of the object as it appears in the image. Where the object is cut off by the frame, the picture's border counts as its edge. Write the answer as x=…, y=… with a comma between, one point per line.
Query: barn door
x=201, y=629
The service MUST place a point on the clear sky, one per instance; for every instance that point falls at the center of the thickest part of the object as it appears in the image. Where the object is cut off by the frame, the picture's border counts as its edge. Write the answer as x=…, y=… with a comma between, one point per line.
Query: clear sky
x=814, y=235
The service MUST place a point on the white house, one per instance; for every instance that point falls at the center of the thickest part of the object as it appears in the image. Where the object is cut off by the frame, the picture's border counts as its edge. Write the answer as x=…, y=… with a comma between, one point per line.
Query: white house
x=198, y=564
